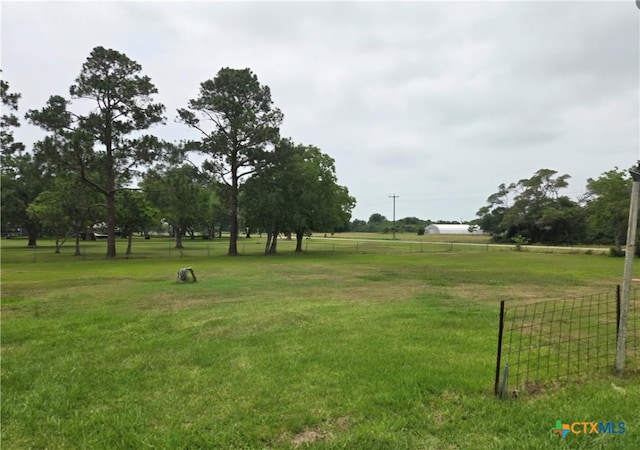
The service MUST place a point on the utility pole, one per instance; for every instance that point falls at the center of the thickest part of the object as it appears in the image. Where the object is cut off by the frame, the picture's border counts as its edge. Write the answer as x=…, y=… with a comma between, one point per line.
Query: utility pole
x=394, y=197
x=630, y=253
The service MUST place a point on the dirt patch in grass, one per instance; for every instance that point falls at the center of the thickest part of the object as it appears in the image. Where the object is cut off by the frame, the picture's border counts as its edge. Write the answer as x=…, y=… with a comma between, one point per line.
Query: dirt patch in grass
x=321, y=433
x=539, y=387
x=308, y=437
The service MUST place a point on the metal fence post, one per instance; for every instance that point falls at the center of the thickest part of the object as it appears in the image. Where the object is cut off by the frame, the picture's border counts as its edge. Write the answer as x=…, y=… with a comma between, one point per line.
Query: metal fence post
x=630, y=253
x=618, y=297
x=500, y=329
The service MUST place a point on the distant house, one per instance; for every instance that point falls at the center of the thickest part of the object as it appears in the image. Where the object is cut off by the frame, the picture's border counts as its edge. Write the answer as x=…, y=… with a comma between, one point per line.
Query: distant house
x=449, y=228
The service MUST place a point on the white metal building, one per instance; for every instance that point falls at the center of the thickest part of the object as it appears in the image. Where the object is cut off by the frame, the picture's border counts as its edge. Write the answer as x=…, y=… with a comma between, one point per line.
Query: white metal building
x=448, y=228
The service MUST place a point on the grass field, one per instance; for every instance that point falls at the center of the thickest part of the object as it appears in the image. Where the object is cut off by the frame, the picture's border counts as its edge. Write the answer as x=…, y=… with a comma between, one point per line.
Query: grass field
x=365, y=350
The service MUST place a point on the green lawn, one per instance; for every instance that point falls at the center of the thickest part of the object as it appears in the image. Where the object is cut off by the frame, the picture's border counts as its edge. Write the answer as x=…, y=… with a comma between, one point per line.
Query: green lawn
x=367, y=350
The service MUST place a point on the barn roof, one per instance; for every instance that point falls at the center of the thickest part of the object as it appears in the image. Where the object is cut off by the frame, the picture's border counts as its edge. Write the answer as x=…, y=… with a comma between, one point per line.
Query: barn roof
x=449, y=228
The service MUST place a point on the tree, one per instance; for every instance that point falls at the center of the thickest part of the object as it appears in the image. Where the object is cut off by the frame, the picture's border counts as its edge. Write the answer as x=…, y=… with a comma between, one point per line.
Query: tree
x=83, y=206
x=66, y=209
x=358, y=225
x=134, y=213
x=182, y=196
x=533, y=209
x=297, y=191
x=103, y=147
x=219, y=218
x=534, y=196
x=267, y=194
x=492, y=215
x=607, y=205
x=321, y=204
x=563, y=222
x=22, y=175
x=235, y=115
x=8, y=121
x=47, y=208
x=377, y=218
x=411, y=225
x=21, y=183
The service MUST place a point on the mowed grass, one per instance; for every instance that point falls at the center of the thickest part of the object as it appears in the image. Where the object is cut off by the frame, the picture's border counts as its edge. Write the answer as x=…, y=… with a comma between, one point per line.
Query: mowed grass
x=365, y=351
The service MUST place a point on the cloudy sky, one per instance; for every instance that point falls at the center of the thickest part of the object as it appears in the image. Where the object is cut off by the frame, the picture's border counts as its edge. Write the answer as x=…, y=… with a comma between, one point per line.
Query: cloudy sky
x=436, y=102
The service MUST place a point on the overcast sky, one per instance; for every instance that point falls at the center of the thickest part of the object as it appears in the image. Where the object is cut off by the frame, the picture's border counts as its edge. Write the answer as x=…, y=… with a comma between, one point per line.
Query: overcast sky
x=436, y=102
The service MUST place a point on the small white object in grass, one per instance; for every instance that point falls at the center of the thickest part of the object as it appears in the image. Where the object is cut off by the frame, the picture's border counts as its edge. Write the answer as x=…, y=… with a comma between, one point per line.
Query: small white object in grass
x=618, y=389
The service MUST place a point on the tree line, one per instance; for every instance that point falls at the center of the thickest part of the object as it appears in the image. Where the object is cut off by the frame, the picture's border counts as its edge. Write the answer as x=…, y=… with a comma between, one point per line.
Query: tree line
x=99, y=162
x=534, y=210
x=377, y=223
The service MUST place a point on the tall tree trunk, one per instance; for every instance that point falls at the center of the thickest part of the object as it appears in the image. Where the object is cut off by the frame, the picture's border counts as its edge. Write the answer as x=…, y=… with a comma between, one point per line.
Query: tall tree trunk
x=233, y=215
x=299, y=236
x=268, y=244
x=617, y=238
x=273, y=249
x=60, y=240
x=178, y=231
x=32, y=232
x=111, y=186
x=111, y=224
x=77, y=252
x=129, y=243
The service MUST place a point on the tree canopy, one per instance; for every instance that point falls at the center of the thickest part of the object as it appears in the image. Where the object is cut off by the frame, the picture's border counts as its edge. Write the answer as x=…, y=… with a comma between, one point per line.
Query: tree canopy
x=104, y=147
x=98, y=135
x=8, y=121
x=182, y=196
x=23, y=176
x=608, y=206
x=296, y=190
x=236, y=118
x=535, y=209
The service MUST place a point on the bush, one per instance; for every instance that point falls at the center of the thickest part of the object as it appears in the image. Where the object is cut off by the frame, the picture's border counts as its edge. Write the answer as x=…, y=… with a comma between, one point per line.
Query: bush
x=520, y=240
x=618, y=253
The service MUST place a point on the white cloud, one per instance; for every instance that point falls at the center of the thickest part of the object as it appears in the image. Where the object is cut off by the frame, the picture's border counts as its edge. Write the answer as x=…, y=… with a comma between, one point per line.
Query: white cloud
x=436, y=102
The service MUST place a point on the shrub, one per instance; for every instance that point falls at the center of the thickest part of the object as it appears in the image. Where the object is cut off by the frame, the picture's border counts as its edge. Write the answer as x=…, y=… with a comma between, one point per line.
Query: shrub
x=520, y=240
x=616, y=252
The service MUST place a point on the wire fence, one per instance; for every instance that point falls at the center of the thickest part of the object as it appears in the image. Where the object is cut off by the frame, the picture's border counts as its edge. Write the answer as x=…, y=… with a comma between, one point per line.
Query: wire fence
x=165, y=247
x=560, y=340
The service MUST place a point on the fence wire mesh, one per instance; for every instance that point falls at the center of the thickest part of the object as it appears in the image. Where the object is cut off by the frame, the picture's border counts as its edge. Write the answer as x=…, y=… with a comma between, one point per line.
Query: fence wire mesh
x=568, y=339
